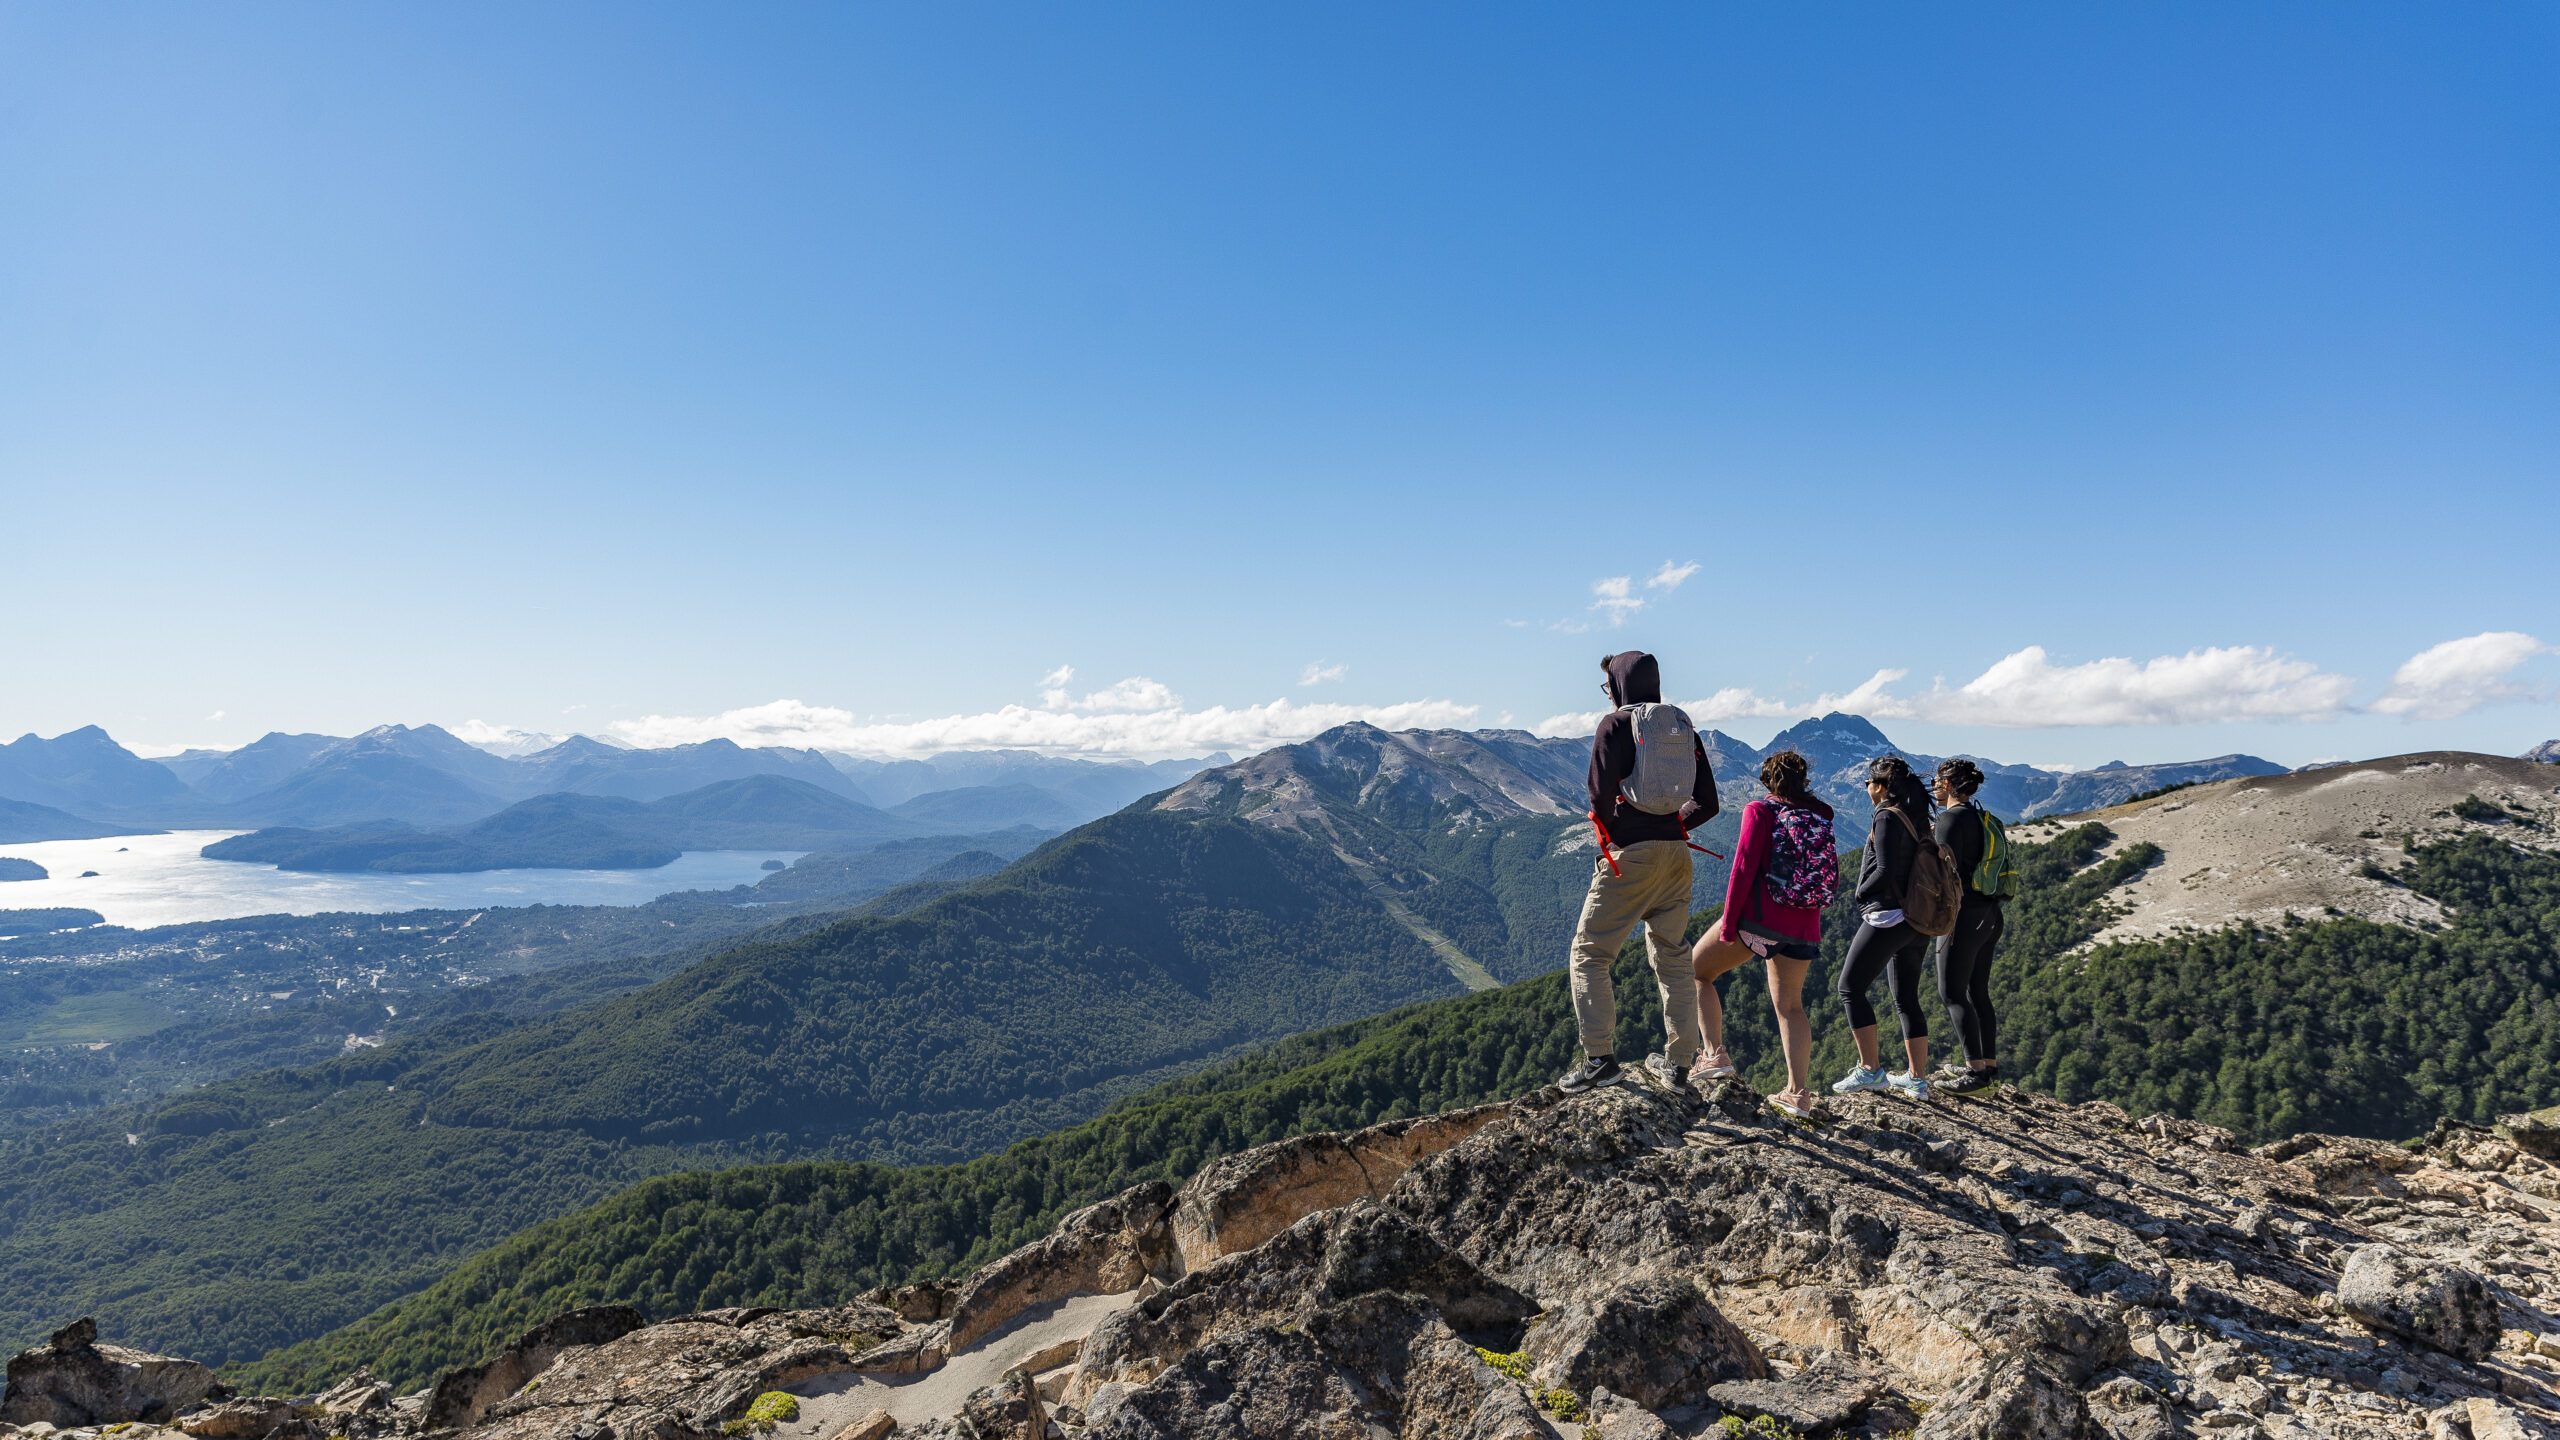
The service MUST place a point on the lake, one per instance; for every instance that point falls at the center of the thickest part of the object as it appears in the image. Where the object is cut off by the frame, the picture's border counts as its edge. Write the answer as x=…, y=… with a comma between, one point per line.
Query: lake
x=146, y=880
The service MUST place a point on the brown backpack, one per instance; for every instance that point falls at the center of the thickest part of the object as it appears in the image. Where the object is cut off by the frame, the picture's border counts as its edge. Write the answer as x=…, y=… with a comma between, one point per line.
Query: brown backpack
x=1936, y=888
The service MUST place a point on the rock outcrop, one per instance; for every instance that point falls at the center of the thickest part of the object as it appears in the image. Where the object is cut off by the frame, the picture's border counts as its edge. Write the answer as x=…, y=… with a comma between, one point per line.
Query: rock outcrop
x=72, y=1381
x=1639, y=1264
x=2444, y=1307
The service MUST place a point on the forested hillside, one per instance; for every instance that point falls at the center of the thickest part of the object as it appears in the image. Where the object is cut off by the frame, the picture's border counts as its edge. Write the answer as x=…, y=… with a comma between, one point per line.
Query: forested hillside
x=267, y=1208
x=2238, y=1029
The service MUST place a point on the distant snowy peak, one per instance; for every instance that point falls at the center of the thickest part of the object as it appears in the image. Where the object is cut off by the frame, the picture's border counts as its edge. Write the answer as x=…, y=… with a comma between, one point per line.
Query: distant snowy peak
x=2548, y=752
x=502, y=741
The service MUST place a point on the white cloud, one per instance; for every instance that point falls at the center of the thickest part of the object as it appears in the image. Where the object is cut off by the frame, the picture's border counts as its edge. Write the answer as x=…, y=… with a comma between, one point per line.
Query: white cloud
x=1079, y=728
x=2460, y=676
x=1670, y=576
x=1135, y=693
x=2026, y=690
x=2212, y=686
x=216, y=715
x=1319, y=673
x=1615, y=598
x=1057, y=677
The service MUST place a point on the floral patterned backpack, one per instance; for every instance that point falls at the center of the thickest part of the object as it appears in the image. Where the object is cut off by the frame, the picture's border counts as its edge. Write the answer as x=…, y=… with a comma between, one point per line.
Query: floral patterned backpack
x=1804, y=866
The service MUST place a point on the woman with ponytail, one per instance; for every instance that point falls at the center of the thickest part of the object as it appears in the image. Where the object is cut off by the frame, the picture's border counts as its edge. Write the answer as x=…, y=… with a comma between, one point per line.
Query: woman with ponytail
x=1964, y=957
x=1886, y=942
x=1763, y=917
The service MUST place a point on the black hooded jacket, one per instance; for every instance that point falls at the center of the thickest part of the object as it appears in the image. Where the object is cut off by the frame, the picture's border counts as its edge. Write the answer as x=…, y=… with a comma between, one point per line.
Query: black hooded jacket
x=1634, y=679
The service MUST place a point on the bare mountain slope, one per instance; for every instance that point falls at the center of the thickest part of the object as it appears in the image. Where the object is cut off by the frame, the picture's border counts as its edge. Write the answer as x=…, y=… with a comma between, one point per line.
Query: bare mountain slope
x=2317, y=842
x=1474, y=841
x=1456, y=777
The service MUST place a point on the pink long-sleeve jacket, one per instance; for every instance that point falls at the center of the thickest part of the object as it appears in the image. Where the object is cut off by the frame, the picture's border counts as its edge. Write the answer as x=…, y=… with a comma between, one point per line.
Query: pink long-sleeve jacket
x=1743, y=901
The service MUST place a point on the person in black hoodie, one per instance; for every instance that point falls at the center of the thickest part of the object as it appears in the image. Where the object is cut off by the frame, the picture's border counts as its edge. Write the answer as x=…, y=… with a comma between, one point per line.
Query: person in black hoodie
x=1885, y=941
x=1964, y=957
x=1642, y=876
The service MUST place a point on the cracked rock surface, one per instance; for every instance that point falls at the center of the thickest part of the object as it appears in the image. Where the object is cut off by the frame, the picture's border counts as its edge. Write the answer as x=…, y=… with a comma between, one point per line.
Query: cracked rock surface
x=1639, y=1262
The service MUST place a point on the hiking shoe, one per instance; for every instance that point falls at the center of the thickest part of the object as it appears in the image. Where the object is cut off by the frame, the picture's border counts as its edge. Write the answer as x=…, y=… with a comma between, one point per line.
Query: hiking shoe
x=1717, y=1071
x=1591, y=1074
x=1974, y=1082
x=1676, y=1076
x=1915, y=1086
x=1865, y=1077
x=1952, y=1070
x=1795, y=1110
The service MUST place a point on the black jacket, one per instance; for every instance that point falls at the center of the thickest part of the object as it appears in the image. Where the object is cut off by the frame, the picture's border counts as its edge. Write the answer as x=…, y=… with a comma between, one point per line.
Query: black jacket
x=1634, y=679
x=1884, y=870
x=1959, y=828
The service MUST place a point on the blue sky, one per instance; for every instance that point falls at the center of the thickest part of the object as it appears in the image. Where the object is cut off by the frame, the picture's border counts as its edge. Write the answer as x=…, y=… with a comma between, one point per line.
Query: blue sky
x=582, y=367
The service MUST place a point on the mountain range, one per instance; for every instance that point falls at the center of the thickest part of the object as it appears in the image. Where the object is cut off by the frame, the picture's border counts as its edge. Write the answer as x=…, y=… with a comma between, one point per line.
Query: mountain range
x=84, y=784
x=587, y=832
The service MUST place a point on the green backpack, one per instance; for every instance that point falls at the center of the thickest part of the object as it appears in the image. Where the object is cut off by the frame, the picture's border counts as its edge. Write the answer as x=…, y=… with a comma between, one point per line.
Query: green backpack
x=1998, y=872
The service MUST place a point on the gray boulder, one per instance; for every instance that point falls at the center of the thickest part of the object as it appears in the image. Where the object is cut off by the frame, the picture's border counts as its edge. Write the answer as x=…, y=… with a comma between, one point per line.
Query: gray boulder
x=1260, y=1385
x=1009, y=1409
x=2444, y=1307
x=71, y=1380
x=1830, y=1393
x=2127, y=1409
x=1657, y=1342
x=1614, y=1417
x=2015, y=1399
x=465, y=1395
x=239, y=1419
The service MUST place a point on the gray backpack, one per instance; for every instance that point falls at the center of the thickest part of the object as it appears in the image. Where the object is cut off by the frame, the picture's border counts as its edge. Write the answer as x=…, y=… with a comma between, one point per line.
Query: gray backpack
x=1666, y=772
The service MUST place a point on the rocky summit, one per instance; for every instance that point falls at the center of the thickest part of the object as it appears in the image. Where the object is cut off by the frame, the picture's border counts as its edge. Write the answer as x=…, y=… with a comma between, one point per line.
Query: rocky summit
x=1634, y=1264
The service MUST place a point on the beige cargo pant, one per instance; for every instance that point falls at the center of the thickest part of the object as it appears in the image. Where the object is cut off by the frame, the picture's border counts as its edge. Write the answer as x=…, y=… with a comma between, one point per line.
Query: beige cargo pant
x=1652, y=889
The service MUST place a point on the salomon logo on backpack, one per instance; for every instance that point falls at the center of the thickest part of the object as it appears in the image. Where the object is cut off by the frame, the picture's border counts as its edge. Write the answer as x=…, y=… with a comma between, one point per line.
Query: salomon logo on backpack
x=1997, y=874
x=1803, y=868
x=1666, y=773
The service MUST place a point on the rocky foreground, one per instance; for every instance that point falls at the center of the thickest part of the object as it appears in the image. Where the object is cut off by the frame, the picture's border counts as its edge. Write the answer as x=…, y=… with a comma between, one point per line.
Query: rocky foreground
x=1629, y=1265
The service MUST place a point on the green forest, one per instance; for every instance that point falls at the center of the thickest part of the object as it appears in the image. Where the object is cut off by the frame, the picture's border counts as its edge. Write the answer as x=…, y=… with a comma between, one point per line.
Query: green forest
x=2338, y=1025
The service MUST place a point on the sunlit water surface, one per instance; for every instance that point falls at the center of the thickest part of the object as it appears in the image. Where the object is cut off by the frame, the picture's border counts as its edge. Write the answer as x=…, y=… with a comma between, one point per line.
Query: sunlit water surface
x=145, y=880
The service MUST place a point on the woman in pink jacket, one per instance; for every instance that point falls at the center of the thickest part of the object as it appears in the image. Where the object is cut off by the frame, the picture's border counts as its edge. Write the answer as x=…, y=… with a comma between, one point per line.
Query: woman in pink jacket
x=1755, y=923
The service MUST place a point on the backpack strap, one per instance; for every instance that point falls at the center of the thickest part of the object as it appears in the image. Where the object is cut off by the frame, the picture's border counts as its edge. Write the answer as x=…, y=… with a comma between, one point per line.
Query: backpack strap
x=1896, y=812
x=1603, y=832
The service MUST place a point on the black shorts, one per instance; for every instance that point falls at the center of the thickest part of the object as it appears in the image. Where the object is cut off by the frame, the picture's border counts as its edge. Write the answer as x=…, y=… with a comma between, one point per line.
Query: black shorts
x=1764, y=944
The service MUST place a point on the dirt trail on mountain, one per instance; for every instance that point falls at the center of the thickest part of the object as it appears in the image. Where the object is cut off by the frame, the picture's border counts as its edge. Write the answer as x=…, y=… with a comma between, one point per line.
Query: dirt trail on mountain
x=2258, y=849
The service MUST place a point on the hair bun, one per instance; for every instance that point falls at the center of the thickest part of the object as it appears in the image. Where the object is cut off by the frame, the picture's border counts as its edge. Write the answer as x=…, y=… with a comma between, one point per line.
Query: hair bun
x=1961, y=776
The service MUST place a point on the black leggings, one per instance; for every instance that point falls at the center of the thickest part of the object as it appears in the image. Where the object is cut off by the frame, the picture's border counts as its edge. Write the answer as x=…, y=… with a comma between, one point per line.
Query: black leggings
x=1964, y=977
x=1903, y=951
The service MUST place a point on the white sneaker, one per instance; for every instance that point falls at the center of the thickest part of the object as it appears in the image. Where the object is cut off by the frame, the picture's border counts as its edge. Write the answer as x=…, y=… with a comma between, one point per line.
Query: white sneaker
x=1915, y=1086
x=1865, y=1077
